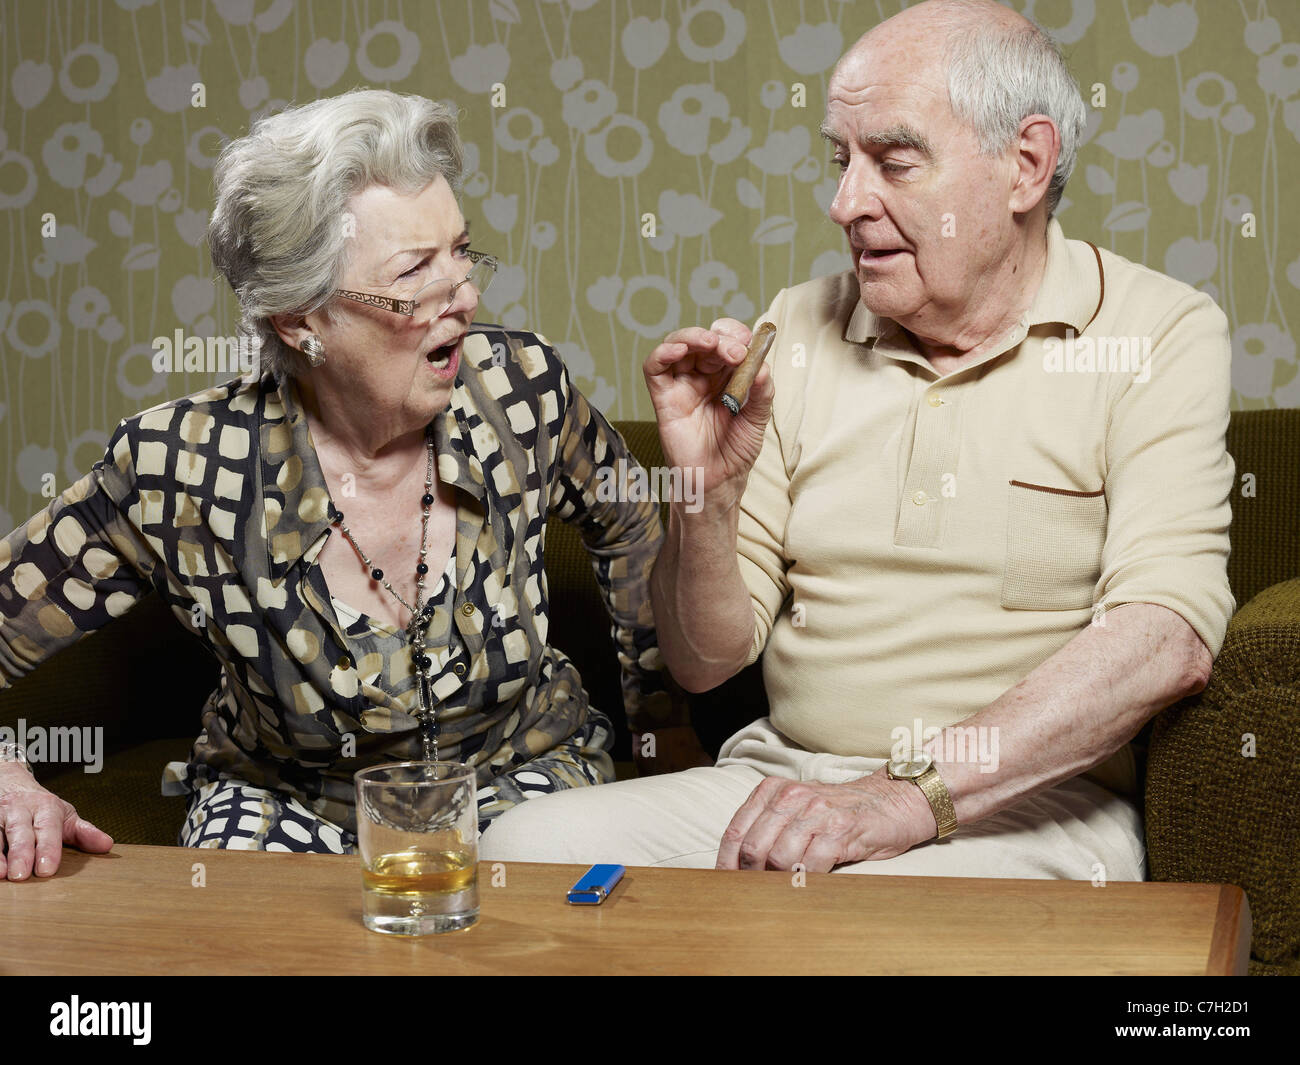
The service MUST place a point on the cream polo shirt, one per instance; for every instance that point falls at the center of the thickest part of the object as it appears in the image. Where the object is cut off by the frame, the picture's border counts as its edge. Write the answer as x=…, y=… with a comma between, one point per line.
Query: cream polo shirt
x=916, y=544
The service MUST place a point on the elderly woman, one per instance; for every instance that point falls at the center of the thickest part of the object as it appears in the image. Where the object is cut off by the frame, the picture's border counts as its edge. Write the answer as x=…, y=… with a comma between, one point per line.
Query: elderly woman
x=358, y=533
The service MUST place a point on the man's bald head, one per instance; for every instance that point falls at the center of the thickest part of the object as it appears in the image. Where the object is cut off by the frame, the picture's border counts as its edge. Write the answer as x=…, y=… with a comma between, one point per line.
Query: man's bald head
x=949, y=16
x=998, y=68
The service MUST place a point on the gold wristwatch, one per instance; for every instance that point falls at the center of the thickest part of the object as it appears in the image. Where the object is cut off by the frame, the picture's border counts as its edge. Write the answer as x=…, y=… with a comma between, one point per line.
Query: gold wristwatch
x=919, y=769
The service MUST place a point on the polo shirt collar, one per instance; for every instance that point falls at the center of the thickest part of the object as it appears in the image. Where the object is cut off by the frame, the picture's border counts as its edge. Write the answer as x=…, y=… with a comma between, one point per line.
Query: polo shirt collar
x=1073, y=283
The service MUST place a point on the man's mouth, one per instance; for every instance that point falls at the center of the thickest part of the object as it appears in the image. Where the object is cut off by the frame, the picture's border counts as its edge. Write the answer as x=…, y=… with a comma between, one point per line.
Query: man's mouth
x=879, y=256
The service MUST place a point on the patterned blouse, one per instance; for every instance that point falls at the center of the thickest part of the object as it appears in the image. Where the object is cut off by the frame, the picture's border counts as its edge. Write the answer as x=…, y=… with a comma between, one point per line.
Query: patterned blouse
x=217, y=502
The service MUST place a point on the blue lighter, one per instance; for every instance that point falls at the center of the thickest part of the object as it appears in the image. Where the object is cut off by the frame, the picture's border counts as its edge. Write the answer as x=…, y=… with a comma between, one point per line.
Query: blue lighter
x=594, y=886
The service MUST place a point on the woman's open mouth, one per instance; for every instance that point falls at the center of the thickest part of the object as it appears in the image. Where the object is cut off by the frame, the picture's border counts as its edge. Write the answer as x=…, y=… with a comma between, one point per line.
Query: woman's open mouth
x=445, y=360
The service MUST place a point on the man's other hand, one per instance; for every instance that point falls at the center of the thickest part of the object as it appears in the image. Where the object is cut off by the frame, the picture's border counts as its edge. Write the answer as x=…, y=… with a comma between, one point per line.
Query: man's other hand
x=820, y=826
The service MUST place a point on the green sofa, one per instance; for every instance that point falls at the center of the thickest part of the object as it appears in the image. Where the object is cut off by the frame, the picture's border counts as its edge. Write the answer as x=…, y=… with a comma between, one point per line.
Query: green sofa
x=1212, y=814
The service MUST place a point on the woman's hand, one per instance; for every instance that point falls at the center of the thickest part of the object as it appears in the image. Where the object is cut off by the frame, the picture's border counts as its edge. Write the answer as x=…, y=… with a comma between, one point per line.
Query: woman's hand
x=35, y=824
x=685, y=375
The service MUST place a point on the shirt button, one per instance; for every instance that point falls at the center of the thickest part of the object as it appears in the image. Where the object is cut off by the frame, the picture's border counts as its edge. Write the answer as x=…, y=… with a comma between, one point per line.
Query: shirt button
x=919, y=498
x=467, y=609
x=935, y=401
x=459, y=669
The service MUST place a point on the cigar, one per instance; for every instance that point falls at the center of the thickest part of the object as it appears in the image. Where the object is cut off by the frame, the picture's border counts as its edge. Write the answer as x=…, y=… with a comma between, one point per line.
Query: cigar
x=738, y=387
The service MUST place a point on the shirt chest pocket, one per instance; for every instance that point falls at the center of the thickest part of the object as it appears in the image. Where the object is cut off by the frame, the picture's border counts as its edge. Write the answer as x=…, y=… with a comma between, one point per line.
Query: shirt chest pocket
x=1055, y=538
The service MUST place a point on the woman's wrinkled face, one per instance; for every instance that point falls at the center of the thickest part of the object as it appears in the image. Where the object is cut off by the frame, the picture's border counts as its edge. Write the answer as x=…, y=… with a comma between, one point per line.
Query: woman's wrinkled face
x=399, y=369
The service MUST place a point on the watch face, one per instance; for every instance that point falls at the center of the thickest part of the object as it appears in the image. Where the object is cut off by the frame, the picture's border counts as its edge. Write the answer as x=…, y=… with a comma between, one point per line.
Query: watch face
x=910, y=768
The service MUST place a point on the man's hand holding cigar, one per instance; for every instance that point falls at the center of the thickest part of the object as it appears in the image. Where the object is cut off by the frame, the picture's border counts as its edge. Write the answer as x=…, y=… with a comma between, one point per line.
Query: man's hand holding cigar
x=702, y=606
x=688, y=376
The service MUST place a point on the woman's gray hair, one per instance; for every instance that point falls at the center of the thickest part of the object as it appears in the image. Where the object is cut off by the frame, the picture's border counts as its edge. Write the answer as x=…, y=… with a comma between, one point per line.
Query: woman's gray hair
x=998, y=75
x=280, y=226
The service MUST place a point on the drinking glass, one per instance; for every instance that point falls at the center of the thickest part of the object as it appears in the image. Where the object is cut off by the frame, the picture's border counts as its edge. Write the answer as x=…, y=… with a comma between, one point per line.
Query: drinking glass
x=417, y=831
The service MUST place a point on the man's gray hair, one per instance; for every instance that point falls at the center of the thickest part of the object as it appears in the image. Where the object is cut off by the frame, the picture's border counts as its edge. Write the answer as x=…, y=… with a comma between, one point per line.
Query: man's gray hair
x=999, y=75
x=280, y=227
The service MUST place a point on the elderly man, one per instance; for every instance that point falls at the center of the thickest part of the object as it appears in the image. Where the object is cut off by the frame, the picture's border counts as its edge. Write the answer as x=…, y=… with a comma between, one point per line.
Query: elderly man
x=976, y=513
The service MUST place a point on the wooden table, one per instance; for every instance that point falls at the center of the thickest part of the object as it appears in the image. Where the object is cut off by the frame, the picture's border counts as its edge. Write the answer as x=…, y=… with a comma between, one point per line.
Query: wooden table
x=137, y=911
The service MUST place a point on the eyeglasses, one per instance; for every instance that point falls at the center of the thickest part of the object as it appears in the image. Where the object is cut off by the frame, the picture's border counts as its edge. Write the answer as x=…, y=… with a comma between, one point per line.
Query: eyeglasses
x=433, y=299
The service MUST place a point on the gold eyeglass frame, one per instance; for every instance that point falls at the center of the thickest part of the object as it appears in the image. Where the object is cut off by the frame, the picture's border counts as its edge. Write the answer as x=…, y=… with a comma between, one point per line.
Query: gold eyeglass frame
x=409, y=307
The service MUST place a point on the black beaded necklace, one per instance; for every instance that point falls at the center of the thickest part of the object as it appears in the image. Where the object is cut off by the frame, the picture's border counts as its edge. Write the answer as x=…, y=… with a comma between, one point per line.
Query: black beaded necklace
x=421, y=612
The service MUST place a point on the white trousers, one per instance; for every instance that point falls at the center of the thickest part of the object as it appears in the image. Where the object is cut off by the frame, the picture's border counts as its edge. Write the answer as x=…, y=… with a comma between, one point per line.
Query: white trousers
x=1077, y=830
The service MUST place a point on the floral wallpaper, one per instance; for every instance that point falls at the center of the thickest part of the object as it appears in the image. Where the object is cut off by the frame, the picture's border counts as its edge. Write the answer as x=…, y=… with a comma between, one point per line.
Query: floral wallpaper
x=636, y=164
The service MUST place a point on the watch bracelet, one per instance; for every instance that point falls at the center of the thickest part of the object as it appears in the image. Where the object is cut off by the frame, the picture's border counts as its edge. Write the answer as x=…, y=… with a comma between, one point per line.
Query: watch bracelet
x=936, y=794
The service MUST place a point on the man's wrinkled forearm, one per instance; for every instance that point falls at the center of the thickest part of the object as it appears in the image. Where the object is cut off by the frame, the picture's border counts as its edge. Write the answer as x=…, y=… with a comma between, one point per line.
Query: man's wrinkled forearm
x=703, y=611
x=1076, y=709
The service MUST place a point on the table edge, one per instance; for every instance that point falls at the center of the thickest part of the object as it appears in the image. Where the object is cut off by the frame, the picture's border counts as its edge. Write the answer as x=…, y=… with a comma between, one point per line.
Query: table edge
x=1229, y=953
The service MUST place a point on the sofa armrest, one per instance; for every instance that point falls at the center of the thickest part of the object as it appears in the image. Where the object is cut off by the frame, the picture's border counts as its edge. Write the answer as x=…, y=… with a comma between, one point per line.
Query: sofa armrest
x=1224, y=772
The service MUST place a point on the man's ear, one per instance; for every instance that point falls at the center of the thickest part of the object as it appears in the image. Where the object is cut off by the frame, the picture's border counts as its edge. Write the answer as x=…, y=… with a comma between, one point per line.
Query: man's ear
x=291, y=328
x=1037, y=151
